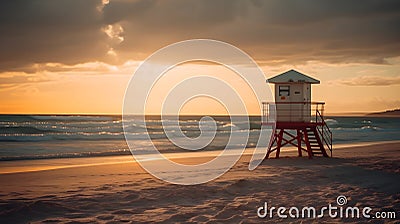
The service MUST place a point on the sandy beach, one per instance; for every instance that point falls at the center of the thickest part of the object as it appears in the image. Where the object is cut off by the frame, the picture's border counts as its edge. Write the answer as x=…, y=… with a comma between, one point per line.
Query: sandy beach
x=116, y=189
x=152, y=111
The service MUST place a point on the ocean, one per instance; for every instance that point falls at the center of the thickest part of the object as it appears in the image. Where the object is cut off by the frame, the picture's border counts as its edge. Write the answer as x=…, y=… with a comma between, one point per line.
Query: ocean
x=24, y=137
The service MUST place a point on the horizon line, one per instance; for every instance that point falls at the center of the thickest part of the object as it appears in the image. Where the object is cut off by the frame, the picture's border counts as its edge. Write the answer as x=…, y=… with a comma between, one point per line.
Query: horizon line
x=120, y=114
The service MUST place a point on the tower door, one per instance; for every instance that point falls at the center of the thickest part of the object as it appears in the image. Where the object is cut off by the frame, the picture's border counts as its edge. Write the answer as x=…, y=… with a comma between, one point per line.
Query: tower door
x=297, y=106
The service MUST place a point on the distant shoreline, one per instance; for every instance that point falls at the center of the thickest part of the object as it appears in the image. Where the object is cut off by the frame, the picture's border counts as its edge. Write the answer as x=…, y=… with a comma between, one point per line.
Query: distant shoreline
x=388, y=113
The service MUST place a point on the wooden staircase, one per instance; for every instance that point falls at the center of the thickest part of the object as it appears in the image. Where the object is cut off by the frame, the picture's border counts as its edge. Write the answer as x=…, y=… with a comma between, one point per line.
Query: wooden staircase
x=315, y=144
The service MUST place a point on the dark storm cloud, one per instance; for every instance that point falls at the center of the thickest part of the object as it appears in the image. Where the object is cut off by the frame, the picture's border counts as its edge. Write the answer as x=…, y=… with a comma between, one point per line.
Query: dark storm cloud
x=39, y=31
x=292, y=31
x=70, y=31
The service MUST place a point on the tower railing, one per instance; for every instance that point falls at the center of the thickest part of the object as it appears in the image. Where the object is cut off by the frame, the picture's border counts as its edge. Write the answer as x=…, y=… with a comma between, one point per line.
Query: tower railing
x=299, y=112
x=324, y=131
x=292, y=111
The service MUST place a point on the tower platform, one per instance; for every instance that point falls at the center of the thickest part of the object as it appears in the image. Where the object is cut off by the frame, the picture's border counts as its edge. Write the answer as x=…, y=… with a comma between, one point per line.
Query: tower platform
x=311, y=137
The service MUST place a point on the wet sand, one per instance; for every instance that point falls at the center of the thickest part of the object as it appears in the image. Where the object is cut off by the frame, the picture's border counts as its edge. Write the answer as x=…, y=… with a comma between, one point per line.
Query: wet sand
x=116, y=189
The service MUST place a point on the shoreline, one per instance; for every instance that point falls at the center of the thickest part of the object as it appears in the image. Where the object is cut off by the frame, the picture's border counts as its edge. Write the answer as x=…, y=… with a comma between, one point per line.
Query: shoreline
x=38, y=165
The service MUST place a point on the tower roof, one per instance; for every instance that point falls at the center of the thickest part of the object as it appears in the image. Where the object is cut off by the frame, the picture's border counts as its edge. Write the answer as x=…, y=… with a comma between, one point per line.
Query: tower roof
x=292, y=76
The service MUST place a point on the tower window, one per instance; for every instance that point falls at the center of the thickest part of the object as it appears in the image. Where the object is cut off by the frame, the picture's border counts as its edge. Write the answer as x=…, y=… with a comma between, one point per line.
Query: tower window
x=284, y=90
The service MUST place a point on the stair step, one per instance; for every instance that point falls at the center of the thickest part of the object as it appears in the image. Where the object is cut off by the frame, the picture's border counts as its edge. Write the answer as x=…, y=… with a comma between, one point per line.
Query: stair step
x=317, y=153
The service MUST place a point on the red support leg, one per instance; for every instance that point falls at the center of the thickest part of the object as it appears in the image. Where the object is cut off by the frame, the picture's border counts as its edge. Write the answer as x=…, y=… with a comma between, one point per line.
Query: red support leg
x=299, y=137
x=273, y=140
x=279, y=143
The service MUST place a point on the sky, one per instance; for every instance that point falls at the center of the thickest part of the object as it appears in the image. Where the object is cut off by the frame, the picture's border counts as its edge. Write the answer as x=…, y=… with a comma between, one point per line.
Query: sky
x=74, y=56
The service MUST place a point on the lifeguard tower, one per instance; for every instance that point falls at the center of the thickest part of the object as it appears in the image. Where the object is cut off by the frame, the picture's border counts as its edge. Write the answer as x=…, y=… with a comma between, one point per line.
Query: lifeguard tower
x=299, y=121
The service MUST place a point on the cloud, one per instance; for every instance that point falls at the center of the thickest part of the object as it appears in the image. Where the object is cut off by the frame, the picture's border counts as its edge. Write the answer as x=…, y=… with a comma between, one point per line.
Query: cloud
x=290, y=32
x=13, y=80
x=372, y=81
